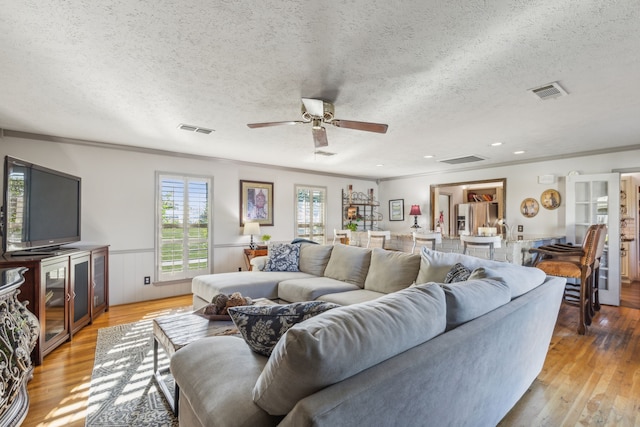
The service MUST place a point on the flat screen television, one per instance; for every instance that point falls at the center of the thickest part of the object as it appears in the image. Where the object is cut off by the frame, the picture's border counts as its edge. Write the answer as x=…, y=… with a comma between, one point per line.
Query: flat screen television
x=41, y=207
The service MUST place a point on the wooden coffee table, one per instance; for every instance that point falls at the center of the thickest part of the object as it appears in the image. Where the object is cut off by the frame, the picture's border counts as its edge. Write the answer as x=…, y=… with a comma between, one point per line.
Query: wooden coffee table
x=176, y=331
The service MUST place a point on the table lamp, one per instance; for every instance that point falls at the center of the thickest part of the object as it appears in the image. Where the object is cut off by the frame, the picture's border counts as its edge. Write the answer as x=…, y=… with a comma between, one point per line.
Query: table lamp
x=415, y=211
x=251, y=228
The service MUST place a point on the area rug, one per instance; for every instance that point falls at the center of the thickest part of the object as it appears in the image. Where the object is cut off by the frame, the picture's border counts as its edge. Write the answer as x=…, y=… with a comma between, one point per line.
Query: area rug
x=123, y=390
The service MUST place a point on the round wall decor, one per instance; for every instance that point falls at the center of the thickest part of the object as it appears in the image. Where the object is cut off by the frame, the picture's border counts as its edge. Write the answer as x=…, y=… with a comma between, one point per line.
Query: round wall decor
x=550, y=199
x=529, y=207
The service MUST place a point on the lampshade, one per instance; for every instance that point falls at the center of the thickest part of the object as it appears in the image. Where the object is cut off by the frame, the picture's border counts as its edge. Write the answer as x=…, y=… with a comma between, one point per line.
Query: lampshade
x=252, y=228
x=415, y=210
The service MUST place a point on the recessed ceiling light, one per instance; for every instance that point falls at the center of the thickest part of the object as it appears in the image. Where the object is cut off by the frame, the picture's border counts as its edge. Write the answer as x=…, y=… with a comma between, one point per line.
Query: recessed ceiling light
x=428, y=156
x=496, y=144
x=379, y=165
x=519, y=152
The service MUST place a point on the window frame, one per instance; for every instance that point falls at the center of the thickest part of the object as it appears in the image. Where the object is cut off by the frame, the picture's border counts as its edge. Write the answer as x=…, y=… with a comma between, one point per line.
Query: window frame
x=184, y=274
x=310, y=188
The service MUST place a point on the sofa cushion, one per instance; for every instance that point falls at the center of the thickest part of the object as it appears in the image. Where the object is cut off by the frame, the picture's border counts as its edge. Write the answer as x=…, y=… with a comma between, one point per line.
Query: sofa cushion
x=262, y=326
x=310, y=288
x=220, y=397
x=349, y=264
x=341, y=342
x=435, y=265
x=314, y=258
x=351, y=297
x=283, y=257
x=253, y=284
x=391, y=271
x=458, y=273
x=467, y=300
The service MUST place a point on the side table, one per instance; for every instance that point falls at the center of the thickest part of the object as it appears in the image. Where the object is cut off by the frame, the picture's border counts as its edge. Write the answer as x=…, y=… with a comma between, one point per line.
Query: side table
x=252, y=253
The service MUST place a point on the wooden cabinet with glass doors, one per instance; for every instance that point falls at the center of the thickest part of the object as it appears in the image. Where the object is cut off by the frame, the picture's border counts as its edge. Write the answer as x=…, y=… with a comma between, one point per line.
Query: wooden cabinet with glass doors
x=66, y=291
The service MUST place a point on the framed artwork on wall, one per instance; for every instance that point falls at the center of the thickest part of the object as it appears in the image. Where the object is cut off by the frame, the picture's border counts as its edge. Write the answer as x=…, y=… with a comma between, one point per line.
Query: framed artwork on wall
x=396, y=210
x=550, y=199
x=529, y=207
x=256, y=202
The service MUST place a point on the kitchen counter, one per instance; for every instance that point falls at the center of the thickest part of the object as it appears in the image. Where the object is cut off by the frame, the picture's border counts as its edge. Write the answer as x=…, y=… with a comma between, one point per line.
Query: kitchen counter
x=511, y=250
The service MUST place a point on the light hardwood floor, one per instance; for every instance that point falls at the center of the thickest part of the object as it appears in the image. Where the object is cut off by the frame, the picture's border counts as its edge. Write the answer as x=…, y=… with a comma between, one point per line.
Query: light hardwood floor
x=60, y=386
x=590, y=380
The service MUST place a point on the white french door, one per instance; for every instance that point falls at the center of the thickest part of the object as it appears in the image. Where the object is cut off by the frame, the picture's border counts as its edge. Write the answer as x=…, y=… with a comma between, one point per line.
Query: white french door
x=595, y=199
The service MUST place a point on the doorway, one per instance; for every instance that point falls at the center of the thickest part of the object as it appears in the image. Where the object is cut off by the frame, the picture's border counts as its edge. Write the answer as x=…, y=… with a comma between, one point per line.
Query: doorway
x=629, y=239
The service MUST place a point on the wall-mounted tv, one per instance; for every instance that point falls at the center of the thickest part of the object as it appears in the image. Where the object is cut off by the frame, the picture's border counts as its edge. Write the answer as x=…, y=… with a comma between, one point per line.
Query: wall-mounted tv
x=41, y=207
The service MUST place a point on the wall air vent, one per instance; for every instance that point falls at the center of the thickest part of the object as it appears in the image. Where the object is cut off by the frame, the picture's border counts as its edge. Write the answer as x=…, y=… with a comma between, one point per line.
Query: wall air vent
x=196, y=129
x=463, y=159
x=324, y=153
x=549, y=91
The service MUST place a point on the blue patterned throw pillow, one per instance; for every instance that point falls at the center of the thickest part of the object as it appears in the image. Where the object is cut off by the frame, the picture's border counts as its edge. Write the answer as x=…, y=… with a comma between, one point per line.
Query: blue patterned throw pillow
x=263, y=325
x=283, y=257
x=458, y=273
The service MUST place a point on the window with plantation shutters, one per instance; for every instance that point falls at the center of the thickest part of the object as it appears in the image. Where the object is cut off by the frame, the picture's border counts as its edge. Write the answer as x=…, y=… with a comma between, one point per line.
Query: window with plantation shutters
x=311, y=213
x=183, y=228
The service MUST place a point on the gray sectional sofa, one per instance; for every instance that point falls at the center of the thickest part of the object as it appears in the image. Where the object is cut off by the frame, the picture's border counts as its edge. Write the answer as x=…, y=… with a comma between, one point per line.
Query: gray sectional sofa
x=403, y=348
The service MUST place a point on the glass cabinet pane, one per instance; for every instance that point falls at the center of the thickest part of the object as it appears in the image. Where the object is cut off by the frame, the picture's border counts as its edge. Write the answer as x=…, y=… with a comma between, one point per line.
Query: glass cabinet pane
x=81, y=290
x=99, y=280
x=582, y=192
x=55, y=320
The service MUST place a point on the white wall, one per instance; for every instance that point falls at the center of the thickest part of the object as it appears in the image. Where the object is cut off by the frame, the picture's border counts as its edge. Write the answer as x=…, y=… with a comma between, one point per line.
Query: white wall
x=118, y=205
x=522, y=182
x=118, y=201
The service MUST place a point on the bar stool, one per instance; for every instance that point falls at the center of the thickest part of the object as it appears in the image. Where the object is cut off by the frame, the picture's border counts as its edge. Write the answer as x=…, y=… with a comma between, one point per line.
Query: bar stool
x=378, y=238
x=341, y=236
x=421, y=239
x=491, y=242
x=577, y=263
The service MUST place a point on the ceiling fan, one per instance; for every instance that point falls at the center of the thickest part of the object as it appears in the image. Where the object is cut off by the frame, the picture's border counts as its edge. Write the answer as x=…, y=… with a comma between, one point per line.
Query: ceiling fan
x=319, y=112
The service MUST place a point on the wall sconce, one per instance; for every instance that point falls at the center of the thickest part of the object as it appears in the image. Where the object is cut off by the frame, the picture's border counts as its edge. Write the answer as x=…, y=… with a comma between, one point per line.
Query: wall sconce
x=251, y=228
x=415, y=211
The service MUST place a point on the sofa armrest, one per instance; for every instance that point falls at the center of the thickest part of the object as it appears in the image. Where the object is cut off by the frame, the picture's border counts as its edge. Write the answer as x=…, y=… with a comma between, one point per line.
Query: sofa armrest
x=258, y=263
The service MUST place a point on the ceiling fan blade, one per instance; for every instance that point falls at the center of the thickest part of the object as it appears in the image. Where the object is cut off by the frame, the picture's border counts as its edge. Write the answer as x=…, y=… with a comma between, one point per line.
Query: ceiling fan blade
x=315, y=107
x=366, y=126
x=269, y=124
x=320, y=137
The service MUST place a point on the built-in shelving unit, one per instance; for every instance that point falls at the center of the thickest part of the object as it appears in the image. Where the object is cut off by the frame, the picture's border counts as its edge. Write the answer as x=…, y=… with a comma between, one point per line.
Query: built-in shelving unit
x=360, y=208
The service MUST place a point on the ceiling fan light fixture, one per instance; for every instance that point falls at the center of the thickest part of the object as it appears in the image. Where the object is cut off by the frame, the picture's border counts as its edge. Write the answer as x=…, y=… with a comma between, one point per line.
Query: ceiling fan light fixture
x=316, y=124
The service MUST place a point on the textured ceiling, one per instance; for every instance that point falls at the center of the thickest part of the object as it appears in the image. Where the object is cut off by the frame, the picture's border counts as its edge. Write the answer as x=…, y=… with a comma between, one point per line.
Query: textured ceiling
x=449, y=78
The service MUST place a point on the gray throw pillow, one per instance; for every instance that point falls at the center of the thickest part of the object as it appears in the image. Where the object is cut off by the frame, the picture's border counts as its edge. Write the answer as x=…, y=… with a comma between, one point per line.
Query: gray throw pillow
x=283, y=257
x=262, y=326
x=458, y=273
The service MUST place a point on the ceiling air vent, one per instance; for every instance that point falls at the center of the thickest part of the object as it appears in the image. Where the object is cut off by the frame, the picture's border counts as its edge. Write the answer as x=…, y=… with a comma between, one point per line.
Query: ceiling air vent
x=196, y=129
x=549, y=91
x=463, y=159
x=324, y=153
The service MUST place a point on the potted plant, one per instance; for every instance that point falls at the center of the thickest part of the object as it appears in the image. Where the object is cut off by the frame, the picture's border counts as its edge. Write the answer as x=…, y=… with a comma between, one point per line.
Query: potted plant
x=353, y=226
x=265, y=238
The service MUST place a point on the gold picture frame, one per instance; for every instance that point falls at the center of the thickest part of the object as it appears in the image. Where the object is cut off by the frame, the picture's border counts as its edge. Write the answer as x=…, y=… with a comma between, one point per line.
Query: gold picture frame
x=256, y=202
x=550, y=199
x=529, y=207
